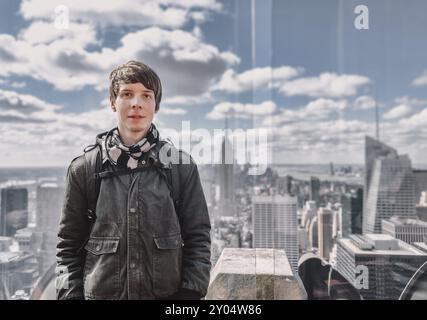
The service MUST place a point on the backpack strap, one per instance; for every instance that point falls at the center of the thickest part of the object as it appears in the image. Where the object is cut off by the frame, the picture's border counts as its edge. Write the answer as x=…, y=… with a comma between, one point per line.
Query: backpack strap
x=171, y=174
x=174, y=179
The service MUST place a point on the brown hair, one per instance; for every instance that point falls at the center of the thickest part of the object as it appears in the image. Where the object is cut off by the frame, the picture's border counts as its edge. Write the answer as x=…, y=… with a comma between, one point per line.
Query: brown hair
x=134, y=72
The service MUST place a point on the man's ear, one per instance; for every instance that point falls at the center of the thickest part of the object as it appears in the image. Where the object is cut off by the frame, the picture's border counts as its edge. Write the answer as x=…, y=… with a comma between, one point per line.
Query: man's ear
x=112, y=104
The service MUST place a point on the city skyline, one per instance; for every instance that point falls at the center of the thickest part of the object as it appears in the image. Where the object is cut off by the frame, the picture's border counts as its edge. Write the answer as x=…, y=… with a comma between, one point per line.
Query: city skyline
x=270, y=211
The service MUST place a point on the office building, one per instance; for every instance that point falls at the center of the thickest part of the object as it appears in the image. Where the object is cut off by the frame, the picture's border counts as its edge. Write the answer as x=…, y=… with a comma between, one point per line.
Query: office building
x=50, y=199
x=389, y=186
x=325, y=232
x=275, y=226
x=351, y=213
x=408, y=230
x=14, y=210
x=314, y=189
x=378, y=265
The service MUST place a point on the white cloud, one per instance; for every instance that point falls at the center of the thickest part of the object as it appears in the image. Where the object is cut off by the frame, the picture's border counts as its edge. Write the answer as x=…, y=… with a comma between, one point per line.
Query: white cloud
x=315, y=110
x=44, y=32
x=140, y=13
x=60, y=138
x=239, y=110
x=325, y=85
x=364, y=103
x=60, y=63
x=188, y=100
x=319, y=141
x=322, y=108
x=413, y=102
x=415, y=123
x=199, y=4
x=256, y=78
x=186, y=65
x=24, y=103
x=397, y=112
x=421, y=80
x=172, y=111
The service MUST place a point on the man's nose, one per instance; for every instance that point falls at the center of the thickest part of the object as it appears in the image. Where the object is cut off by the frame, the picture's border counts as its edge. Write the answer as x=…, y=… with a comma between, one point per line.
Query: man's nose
x=137, y=103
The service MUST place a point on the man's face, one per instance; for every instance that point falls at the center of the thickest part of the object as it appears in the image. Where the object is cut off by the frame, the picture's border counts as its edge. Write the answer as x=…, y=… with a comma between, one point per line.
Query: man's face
x=135, y=106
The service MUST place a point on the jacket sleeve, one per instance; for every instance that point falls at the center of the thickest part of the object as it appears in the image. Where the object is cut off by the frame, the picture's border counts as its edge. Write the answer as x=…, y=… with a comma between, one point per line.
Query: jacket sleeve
x=195, y=230
x=73, y=231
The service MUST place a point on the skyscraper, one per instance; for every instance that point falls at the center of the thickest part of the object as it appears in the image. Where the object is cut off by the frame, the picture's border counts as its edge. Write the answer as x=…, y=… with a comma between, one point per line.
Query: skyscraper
x=325, y=230
x=313, y=233
x=14, y=210
x=378, y=265
x=351, y=213
x=50, y=198
x=226, y=179
x=315, y=189
x=284, y=185
x=308, y=213
x=373, y=150
x=275, y=224
x=389, y=186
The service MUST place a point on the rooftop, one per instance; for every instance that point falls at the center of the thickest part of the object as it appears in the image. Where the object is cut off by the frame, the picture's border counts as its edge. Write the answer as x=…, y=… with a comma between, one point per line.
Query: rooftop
x=276, y=199
x=381, y=244
x=402, y=221
x=6, y=256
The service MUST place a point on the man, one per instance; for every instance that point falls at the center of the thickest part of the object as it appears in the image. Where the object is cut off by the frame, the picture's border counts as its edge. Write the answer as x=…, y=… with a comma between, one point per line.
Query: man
x=138, y=242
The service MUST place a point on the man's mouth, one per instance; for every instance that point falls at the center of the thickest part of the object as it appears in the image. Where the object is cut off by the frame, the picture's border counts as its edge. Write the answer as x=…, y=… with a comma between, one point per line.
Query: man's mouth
x=135, y=116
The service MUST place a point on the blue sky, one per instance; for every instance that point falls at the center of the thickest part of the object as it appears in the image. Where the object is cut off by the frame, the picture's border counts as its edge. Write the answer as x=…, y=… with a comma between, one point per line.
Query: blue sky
x=297, y=68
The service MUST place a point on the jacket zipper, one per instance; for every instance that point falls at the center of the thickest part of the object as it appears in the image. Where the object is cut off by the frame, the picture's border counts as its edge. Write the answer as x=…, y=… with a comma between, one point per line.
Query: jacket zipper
x=128, y=270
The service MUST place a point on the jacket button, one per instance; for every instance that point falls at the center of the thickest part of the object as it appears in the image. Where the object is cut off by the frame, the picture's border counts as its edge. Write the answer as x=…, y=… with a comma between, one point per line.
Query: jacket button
x=143, y=162
x=98, y=247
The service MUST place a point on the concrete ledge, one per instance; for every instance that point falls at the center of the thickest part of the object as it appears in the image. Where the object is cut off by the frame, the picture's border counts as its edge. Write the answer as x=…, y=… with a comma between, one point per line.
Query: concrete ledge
x=254, y=274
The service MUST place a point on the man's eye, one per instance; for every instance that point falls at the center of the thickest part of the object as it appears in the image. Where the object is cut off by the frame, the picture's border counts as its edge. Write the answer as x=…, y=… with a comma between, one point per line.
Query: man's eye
x=126, y=94
x=148, y=96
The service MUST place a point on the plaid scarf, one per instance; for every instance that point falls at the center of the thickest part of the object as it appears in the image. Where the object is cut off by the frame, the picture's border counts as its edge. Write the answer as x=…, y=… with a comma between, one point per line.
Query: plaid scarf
x=128, y=156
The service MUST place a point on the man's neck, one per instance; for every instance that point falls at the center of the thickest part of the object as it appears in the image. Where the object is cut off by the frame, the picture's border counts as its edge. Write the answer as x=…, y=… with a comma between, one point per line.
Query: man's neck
x=131, y=138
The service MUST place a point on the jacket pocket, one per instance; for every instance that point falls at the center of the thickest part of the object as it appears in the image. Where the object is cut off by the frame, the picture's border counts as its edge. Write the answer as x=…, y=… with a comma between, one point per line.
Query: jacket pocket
x=102, y=268
x=167, y=265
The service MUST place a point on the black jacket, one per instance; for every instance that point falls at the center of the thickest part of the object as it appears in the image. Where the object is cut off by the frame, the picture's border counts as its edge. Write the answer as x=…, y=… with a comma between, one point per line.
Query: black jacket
x=139, y=246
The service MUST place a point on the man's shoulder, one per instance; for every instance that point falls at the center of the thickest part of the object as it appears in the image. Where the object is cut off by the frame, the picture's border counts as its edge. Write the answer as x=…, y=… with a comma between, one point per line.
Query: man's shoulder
x=77, y=165
x=89, y=157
